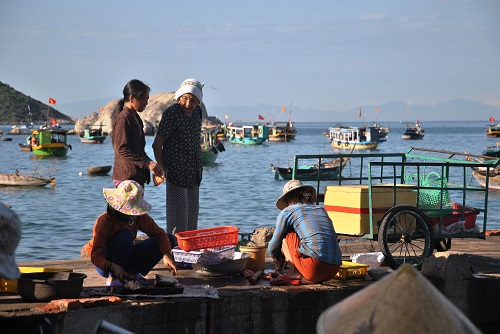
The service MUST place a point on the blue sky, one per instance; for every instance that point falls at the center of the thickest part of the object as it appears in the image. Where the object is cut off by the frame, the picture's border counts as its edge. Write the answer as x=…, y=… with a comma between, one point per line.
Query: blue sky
x=326, y=55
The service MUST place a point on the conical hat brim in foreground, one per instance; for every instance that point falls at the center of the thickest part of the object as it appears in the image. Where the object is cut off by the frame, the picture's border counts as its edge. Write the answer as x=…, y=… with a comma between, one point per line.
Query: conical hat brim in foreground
x=403, y=302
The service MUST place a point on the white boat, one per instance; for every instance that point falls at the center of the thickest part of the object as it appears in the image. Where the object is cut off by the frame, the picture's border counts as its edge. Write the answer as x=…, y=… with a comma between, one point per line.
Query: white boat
x=353, y=138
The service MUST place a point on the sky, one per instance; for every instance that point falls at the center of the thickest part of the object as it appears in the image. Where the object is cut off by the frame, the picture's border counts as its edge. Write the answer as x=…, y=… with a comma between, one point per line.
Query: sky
x=324, y=55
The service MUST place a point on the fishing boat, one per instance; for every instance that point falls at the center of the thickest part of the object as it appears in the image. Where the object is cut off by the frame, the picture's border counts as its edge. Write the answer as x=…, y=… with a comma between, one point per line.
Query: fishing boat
x=383, y=132
x=18, y=180
x=493, y=130
x=493, y=179
x=281, y=131
x=329, y=170
x=98, y=170
x=492, y=151
x=353, y=138
x=413, y=131
x=210, y=145
x=92, y=136
x=6, y=138
x=50, y=141
x=24, y=147
x=247, y=134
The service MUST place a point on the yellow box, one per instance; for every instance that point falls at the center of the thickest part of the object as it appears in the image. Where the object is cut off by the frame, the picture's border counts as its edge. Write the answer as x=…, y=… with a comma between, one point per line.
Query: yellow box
x=348, y=206
x=11, y=285
x=352, y=270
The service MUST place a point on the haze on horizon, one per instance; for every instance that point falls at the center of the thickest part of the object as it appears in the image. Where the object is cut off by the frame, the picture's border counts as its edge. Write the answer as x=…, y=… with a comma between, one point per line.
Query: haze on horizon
x=322, y=55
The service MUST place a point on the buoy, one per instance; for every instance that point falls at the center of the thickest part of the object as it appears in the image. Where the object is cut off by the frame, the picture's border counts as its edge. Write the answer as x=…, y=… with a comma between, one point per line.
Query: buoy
x=80, y=173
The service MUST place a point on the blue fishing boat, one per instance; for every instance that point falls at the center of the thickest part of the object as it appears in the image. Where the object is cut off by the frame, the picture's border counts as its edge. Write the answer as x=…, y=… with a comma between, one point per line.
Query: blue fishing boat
x=247, y=134
x=92, y=136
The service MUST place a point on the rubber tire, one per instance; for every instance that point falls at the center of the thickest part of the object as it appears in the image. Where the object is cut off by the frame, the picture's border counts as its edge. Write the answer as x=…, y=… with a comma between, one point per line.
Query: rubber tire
x=442, y=245
x=402, y=241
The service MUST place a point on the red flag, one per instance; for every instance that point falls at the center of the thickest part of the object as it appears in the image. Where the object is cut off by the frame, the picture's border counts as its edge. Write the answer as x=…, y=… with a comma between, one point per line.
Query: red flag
x=359, y=113
x=283, y=109
x=54, y=122
x=492, y=119
x=261, y=117
x=52, y=101
x=101, y=109
x=376, y=110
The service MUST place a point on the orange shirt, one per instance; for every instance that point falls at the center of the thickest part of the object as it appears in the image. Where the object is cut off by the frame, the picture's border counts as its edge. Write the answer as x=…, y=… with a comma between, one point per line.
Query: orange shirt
x=106, y=227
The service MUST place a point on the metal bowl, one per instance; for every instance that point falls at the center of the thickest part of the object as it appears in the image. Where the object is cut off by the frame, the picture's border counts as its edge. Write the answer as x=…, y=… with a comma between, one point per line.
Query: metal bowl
x=48, y=286
x=230, y=267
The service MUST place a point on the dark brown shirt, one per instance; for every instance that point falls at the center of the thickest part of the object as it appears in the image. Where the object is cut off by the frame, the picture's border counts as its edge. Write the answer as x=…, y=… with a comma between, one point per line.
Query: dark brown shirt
x=131, y=161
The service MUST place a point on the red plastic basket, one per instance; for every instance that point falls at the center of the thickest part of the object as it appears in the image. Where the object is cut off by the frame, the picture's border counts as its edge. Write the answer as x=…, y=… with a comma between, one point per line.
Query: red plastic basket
x=207, y=238
x=470, y=215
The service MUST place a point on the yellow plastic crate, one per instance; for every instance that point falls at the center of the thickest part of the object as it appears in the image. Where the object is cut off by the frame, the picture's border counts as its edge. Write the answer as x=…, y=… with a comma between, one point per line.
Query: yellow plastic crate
x=348, y=206
x=11, y=285
x=350, y=270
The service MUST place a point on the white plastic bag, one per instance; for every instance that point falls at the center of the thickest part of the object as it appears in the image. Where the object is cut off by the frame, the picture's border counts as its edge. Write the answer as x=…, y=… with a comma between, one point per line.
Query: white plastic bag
x=374, y=259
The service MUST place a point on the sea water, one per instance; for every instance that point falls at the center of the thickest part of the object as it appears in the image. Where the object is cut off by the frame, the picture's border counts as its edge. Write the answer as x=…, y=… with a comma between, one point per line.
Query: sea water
x=240, y=189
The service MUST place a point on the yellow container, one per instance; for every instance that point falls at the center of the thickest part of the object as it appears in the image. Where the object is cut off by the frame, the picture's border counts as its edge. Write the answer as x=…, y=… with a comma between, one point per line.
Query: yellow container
x=352, y=270
x=348, y=206
x=11, y=285
x=257, y=259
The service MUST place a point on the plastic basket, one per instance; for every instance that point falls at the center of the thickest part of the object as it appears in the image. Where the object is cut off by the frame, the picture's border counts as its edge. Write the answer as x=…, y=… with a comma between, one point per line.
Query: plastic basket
x=207, y=256
x=470, y=215
x=432, y=201
x=350, y=270
x=207, y=238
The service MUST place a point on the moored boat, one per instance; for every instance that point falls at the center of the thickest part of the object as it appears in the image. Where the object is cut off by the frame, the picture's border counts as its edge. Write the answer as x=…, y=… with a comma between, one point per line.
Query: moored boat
x=413, y=131
x=247, y=134
x=98, y=170
x=492, y=151
x=50, y=142
x=210, y=145
x=18, y=180
x=493, y=130
x=329, y=170
x=353, y=138
x=92, y=136
x=281, y=131
x=493, y=177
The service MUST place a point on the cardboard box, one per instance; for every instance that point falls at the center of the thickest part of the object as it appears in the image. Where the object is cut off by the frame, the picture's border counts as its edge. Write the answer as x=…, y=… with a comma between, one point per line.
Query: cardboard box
x=350, y=270
x=348, y=206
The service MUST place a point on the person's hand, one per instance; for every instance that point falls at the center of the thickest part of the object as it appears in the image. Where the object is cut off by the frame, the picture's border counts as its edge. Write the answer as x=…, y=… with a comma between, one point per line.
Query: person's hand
x=168, y=261
x=119, y=272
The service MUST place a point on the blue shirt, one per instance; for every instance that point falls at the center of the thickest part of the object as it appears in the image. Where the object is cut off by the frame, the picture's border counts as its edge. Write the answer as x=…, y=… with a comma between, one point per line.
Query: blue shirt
x=317, y=235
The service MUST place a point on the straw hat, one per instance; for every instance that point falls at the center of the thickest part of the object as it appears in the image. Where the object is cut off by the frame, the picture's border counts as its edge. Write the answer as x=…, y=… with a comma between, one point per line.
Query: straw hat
x=128, y=198
x=192, y=86
x=291, y=186
x=10, y=235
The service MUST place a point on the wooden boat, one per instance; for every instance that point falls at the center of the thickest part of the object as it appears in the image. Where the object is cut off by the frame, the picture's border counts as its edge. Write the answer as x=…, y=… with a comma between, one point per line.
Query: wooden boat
x=24, y=147
x=6, y=138
x=383, y=132
x=92, y=136
x=98, y=170
x=493, y=179
x=247, y=134
x=18, y=180
x=413, y=132
x=309, y=172
x=493, y=130
x=281, y=131
x=210, y=145
x=50, y=141
x=353, y=138
x=492, y=151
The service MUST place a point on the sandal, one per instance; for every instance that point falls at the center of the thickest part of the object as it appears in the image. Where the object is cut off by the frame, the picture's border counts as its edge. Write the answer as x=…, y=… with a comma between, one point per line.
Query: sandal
x=285, y=280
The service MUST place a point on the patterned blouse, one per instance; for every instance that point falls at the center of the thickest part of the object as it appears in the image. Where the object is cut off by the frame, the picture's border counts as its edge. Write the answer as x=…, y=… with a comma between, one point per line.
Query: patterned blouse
x=182, y=147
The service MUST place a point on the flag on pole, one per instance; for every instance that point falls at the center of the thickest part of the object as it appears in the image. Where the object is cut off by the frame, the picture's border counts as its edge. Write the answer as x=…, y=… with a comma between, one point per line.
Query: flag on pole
x=359, y=112
x=261, y=117
x=492, y=119
x=376, y=110
x=226, y=116
x=52, y=101
x=54, y=122
x=101, y=109
x=283, y=109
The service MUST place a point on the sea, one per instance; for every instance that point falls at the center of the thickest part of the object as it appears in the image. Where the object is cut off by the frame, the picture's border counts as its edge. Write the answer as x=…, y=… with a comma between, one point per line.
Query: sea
x=240, y=189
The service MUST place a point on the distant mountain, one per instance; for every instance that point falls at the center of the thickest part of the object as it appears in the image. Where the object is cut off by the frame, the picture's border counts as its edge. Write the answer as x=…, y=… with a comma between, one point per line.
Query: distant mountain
x=15, y=108
x=457, y=110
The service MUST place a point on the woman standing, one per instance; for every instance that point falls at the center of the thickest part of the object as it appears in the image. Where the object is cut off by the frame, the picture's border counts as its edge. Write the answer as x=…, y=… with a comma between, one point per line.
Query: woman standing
x=131, y=161
x=177, y=149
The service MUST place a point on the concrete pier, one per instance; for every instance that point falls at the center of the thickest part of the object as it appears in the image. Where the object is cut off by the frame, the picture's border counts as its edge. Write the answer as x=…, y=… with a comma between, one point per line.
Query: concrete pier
x=239, y=307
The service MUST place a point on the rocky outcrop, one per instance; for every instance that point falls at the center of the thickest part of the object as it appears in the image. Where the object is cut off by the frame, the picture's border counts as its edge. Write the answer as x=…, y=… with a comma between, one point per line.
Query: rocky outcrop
x=151, y=116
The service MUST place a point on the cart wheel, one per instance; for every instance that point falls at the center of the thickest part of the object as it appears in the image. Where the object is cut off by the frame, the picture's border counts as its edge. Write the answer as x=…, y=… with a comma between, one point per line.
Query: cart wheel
x=405, y=237
x=443, y=244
